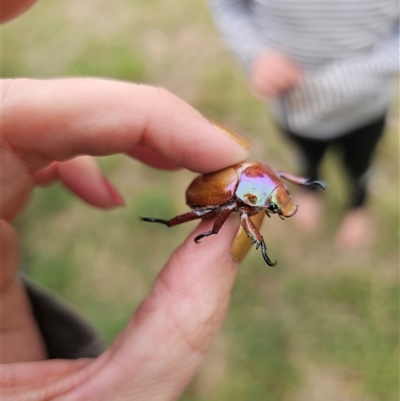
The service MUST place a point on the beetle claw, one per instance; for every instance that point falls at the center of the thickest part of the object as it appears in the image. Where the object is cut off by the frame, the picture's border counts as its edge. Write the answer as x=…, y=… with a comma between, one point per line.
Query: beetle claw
x=265, y=256
x=202, y=235
x=318, y=183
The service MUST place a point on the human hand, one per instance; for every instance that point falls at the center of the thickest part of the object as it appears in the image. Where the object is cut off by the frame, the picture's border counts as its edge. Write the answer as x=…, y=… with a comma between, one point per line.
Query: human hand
x=272, y=73
x=46, y=125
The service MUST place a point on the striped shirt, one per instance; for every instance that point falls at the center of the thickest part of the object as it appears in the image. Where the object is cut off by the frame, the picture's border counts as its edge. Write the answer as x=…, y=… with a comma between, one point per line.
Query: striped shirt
x=348, y=50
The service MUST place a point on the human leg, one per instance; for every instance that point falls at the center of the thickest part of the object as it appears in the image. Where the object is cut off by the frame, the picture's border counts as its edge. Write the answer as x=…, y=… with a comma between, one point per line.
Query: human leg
x=311, y=153
x=358, y=148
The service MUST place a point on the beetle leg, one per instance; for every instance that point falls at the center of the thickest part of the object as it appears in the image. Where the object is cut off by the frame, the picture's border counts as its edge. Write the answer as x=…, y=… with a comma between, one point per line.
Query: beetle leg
x=182, y=218
x=296, y=180
x=255, y=236
x=219, y=222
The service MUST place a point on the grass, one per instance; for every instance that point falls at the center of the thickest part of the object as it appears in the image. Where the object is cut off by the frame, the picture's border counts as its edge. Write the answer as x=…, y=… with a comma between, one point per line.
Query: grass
x=321, y=326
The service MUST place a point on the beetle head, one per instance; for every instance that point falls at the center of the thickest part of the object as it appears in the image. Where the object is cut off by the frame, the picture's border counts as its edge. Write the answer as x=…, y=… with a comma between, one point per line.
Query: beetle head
x=280, y=202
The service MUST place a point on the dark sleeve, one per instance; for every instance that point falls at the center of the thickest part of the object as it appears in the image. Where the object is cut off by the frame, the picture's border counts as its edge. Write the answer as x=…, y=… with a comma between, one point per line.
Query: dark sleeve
x=66, y=334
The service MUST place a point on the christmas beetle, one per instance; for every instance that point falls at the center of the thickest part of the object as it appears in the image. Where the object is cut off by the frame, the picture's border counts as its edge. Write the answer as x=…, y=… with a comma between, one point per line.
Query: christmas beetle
x=246, y=188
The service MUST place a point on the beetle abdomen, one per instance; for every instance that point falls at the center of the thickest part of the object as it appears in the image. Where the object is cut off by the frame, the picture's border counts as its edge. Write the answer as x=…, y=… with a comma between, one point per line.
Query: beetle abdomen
x=213, y=189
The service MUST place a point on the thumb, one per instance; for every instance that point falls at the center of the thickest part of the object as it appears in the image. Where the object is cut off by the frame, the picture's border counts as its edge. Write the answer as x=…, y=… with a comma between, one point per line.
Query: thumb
x=168, y=335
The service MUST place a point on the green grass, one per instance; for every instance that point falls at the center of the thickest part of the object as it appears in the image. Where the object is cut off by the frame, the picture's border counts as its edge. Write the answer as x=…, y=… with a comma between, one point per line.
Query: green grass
x=321, y=326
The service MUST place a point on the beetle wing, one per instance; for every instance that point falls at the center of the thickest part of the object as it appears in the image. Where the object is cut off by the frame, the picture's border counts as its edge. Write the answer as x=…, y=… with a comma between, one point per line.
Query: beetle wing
x=213, y=189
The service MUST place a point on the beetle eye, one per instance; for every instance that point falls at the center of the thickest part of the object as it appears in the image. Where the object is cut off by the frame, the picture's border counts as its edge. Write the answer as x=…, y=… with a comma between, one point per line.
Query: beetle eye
x=272, y=207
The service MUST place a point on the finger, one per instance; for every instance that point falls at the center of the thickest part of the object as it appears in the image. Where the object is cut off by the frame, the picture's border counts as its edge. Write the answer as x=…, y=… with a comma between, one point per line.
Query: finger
x=47, y=121
x=151, y=158
x=42, y=380
x=9, y=255
x=12, y=8
x=168, y=335
x=98, y=117
x=82, y=176
x=20, y=337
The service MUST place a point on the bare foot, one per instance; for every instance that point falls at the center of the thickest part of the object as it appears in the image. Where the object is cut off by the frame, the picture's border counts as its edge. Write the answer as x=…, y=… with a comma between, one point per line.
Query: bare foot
x=309, y=213
x=355, y=231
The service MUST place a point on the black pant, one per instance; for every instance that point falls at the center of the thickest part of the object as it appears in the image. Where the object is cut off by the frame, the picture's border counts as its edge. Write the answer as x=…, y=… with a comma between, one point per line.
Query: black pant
x=356, y=147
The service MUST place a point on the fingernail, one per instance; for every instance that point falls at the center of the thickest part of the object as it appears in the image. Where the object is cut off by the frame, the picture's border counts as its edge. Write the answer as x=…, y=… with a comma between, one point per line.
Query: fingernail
x=245, y=143
x=115, y=198
x=241, y=243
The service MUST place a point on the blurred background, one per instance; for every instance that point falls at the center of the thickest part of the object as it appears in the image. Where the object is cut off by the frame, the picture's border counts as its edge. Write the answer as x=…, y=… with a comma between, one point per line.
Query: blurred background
x=320, y=326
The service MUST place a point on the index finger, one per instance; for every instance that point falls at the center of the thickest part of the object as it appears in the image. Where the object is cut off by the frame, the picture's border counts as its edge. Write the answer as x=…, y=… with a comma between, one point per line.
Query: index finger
x=55, y=120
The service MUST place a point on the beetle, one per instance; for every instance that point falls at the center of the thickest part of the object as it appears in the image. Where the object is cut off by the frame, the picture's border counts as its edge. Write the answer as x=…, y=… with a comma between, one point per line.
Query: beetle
x=246, y=188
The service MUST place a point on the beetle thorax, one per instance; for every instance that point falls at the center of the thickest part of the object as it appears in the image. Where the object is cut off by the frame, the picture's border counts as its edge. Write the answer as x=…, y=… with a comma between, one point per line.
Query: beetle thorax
x=256, y=186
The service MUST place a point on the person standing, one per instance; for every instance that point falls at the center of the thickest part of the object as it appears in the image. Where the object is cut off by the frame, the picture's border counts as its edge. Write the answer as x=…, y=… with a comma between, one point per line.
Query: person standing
x=328, y=70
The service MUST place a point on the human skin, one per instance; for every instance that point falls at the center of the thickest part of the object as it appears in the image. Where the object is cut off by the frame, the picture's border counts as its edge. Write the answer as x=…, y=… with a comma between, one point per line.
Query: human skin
x=46, y=125
x=272, y=73
x=50, y=130
x=12, y=8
